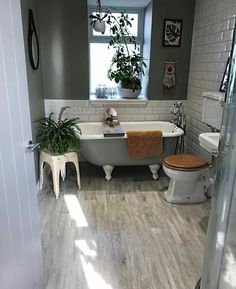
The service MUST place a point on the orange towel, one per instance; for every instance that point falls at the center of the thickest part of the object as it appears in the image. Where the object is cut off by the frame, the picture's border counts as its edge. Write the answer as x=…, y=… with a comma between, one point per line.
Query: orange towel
x=142, y=144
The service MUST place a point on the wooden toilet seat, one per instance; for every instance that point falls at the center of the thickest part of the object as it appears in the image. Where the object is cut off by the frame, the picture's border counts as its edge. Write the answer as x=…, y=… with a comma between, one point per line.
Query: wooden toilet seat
x=185, y=162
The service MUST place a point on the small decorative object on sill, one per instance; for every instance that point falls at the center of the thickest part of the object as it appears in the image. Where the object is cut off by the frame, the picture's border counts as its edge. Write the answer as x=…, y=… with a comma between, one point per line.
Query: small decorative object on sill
x=169, y=77
x=101, y=91
x=112, y=92
x=172, y=32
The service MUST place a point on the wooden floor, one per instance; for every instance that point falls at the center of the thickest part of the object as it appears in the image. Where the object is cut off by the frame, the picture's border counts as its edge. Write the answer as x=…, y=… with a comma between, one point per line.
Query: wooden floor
x=120, y=234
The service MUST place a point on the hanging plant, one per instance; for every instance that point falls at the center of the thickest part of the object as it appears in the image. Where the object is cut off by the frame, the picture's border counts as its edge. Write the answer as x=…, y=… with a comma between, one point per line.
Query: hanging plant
x=99, y=19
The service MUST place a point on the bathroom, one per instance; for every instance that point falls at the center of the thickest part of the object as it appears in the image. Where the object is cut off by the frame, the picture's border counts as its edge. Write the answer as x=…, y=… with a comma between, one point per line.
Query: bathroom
x=120, y=233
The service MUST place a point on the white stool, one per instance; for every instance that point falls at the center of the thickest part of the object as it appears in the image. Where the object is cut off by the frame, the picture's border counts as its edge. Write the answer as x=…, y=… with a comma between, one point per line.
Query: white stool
x=57, y=164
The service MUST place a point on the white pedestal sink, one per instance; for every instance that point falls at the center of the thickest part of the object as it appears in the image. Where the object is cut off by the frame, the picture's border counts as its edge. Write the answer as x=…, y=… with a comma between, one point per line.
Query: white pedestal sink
x=210, y=141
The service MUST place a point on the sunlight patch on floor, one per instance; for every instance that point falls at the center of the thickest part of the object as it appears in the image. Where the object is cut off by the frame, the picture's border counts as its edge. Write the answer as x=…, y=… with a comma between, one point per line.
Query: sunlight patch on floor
x=75, y=210
x=220, y=240
x=94, y=279
x=229, y=275
x=85, y=249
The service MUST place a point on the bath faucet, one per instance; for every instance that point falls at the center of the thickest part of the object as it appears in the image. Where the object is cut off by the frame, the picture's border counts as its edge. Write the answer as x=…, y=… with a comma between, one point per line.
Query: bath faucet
x=110, y=117
x=178, y=115
x=179, y=119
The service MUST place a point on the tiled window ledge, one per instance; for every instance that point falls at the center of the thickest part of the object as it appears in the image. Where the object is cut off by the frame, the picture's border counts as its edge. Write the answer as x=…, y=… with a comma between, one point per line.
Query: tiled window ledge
x=118, y=102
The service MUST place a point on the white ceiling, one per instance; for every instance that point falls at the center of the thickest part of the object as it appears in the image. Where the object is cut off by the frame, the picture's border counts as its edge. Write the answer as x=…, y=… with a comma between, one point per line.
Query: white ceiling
x=121, y=3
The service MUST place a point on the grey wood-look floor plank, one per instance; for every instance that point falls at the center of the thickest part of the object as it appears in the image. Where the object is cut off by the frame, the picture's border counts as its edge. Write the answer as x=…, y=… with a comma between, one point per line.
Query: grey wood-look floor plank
x=120, y=234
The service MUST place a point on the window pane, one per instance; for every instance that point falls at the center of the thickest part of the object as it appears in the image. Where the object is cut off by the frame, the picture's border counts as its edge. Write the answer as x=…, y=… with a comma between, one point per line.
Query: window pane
x=100, y=61
x=133, y=30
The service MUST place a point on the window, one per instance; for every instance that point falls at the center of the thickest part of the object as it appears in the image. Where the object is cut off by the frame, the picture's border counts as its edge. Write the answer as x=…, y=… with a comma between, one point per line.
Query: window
x=101, y=55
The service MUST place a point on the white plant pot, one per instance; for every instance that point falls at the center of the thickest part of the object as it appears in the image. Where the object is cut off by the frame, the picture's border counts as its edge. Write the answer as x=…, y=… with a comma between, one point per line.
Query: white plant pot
x=99, y=26
x=128, y=93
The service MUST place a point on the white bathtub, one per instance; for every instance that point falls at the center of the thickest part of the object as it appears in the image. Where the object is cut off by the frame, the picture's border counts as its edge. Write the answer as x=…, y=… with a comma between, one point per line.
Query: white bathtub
x=109, y=152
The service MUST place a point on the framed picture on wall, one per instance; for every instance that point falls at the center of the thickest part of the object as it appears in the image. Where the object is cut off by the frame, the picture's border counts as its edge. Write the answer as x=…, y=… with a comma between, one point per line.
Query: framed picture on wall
x=172, y=32
x=224, y=81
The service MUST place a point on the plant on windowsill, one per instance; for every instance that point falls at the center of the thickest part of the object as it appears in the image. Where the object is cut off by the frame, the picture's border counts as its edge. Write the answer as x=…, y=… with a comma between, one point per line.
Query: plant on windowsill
x=59, y=136
x=127, y=64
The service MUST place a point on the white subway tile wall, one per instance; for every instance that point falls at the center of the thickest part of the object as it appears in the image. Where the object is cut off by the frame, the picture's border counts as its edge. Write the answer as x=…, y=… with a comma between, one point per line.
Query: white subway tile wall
x=86, y=111
x=212, y=40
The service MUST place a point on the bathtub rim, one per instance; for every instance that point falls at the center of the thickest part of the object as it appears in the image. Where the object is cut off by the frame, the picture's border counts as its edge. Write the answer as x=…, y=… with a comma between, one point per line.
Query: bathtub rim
x=176, y=131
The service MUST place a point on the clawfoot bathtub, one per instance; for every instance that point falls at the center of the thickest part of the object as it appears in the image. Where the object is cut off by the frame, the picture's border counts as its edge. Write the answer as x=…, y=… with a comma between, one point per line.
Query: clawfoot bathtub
x=109, y=152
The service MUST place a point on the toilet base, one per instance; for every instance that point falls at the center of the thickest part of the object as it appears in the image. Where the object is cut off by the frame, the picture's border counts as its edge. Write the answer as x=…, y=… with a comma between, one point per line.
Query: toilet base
x=180, y=192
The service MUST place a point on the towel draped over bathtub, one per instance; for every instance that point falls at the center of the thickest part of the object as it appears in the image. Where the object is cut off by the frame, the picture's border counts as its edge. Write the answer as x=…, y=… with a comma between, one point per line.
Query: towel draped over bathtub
x=142, y=144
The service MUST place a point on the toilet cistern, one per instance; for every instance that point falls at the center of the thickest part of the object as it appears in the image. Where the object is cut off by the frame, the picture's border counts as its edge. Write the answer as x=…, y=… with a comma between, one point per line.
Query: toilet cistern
x=212, y=109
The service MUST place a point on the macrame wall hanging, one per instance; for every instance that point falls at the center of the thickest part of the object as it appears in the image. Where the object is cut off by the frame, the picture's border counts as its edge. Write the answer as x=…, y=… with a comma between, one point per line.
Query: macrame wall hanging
x=169, y=77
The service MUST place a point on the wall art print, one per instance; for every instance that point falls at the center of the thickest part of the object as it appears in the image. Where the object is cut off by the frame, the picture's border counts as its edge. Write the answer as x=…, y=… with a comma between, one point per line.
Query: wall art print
x=172, y=32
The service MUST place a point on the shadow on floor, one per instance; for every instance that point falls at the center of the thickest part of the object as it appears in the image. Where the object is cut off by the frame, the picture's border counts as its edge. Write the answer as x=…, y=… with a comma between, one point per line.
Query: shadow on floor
x=204, y=224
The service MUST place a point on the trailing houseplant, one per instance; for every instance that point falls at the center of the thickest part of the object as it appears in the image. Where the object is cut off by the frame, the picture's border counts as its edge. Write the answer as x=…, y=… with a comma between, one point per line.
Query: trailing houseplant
x=127, y=64
x=99, y=19
x=59, y=136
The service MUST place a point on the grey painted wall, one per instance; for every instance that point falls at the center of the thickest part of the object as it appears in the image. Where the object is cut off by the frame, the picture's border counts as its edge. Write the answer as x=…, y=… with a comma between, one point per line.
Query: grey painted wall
x=64, y=43
x=35, y=84
x=164, y=9
x=147, y=32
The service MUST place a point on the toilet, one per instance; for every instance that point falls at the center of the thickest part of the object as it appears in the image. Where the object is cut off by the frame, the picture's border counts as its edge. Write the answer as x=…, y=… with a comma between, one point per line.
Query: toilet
x=187, y=181
x=187, y=172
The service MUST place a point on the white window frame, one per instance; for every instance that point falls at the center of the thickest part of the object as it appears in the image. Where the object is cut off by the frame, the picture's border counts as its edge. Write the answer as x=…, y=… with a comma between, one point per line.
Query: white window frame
x=105, y=39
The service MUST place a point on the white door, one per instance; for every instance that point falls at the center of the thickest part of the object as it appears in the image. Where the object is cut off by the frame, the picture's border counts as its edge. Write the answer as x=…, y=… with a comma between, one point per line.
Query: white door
x=20, y=244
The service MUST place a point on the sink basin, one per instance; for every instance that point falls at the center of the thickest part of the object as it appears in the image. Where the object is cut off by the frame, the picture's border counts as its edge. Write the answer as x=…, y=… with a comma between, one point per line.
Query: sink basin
x=210, y=141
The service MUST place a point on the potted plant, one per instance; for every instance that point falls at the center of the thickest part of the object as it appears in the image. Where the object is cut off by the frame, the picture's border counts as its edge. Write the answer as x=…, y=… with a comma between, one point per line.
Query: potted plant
x=98, y=20
x=127, y=64
x=59, y=136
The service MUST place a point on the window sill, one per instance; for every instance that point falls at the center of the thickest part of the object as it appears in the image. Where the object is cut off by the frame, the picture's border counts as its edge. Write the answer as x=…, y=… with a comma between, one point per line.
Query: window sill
x=118, y=101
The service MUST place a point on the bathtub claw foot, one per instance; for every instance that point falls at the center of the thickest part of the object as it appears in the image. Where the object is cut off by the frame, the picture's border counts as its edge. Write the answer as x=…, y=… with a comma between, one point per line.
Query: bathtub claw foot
x=63, y=172
x=154, y=169
x=108, y=171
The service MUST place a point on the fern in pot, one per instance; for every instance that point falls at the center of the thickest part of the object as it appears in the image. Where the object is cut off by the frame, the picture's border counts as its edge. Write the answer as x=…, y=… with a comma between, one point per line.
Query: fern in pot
x=59, y=136
x=127, y=64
